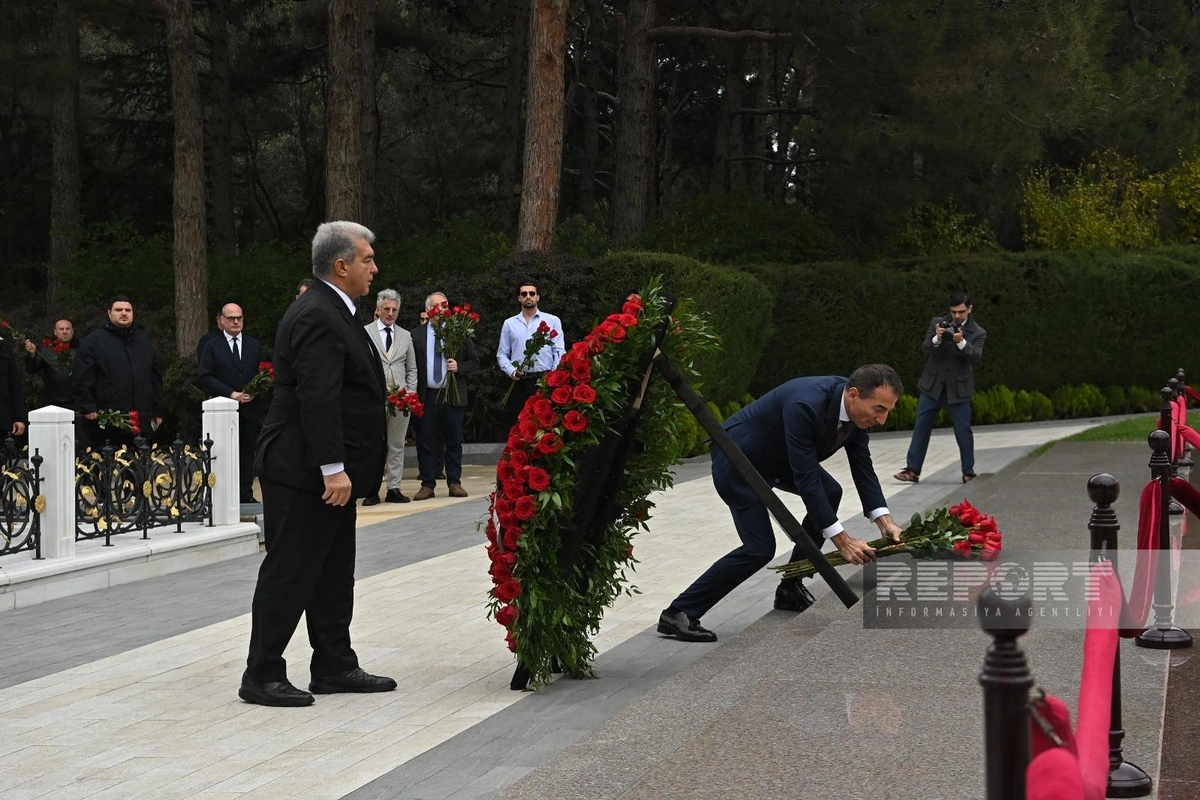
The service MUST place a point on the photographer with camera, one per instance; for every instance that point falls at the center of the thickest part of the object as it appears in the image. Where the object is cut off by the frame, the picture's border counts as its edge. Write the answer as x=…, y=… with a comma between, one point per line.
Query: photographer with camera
x=954, y=345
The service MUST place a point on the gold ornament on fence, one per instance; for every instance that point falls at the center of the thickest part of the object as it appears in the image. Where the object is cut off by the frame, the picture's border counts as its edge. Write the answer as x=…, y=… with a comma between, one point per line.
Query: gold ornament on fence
x=212, y=480
x=39, y=504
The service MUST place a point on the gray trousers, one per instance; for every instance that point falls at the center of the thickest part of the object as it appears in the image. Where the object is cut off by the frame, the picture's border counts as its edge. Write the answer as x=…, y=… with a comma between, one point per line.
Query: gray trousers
x=397, y=429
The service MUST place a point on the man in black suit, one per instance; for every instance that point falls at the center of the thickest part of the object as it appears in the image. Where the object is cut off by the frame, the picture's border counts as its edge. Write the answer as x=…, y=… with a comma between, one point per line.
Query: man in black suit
x=54, y=369
x=444, y=413
x=227, y=363
x=954, y=346
x=786, y=434
x=12, y=394
x=323, y=445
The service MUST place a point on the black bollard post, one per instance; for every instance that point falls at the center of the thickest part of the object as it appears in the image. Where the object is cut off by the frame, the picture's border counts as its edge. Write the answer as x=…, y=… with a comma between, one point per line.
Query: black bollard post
x=1163, y=635
x=1124, y=779
x=1185, y=460
x=1006, y=682
x=1165, y=422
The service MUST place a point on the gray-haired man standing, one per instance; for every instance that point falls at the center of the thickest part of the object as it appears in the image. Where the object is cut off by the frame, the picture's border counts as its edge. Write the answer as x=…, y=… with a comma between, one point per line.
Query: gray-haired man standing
x=399, y=361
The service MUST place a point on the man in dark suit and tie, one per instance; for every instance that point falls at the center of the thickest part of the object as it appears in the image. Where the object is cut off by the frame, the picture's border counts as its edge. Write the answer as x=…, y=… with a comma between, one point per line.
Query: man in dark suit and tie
x=323, y=445
x=444, y=413
x=227, y=363
x=954, y=346
x=786, y=434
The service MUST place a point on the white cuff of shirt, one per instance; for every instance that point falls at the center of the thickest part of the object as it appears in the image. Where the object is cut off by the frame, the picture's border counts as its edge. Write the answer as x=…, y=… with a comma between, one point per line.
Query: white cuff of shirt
x=332, y=469
x=836, y=528
x=962, y=344
x=937, y=340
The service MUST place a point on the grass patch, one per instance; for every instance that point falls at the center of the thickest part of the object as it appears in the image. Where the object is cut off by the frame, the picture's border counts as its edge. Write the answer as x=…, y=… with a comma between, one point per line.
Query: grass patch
x=1133, y=429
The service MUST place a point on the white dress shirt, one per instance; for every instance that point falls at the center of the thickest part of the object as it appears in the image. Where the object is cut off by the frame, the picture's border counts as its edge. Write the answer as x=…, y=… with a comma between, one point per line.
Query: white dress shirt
x=875, y=513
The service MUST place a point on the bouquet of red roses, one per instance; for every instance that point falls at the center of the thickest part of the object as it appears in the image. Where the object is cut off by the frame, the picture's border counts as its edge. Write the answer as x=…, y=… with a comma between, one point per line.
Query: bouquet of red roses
x=59, y=348
x=262, y=380
x=402, y=401
x=543, y=336
x=962, y=530
x=130, y=421
x=453, y=327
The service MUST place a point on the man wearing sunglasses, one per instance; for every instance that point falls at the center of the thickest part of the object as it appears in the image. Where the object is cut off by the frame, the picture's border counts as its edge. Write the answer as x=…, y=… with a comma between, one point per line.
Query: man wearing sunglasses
x=514, y=334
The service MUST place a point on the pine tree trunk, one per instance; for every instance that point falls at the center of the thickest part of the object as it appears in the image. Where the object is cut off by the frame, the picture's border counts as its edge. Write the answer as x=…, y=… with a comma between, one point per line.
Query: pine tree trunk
x=591, y=110
x=219, y=134
x=64, y=149
x=370, y=115
x=343, y=130
x=757, y=171
x=511, y=130
x=728, y=137
x=542, y=174
x=191, y=274
x=633, y=147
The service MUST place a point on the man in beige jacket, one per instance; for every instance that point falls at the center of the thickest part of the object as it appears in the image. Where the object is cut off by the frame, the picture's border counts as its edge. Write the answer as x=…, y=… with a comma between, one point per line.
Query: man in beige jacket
x=395, y=347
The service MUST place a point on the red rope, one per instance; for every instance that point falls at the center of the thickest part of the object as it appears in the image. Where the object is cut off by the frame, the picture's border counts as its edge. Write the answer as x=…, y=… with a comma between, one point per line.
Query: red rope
x=1141, y=594
x=1192, y=393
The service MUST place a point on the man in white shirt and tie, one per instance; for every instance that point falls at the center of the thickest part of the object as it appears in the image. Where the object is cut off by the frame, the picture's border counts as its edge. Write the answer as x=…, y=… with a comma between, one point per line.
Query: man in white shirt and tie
x=514, y=334
x=399, y=361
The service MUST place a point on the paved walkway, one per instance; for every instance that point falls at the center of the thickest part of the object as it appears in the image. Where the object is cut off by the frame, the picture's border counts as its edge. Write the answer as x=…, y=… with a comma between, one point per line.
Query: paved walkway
x=131, y=691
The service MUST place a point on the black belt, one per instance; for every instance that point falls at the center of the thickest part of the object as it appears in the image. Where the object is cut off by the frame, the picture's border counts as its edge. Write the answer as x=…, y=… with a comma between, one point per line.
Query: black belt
x=529, y=375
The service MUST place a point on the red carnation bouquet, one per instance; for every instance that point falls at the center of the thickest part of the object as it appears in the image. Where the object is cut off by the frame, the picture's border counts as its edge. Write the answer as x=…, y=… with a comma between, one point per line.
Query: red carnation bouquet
x=262, y=381
x=402, y=401
x=453, y=327
x=961, y=531
x=60, y=349
x=129, y=421
x=543, y=336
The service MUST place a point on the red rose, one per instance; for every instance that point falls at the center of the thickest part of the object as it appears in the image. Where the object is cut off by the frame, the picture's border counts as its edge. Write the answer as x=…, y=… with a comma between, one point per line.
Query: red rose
x=491, y=530
x=528, y=428
x=512, y=537
x=617, y=334
x=515, y=442
x=582, y=371
x=504, y=471
x=503, y=506
x=525, y=508
x=561, y=396
x=976, y=537
x=583, y=394
x=47, y=342
x=508, y=591
x=595, y=345
x=500, y=572
x=580, y=349
x=988, y=525
x=963, y=548
x=629, y=553
x=628, y=320
x=541, y=407
x=539, y=479
x=559, y=377
x=507, y=521
x=507, y=615
x=990, y=552
x=995, y=537
x=514, y=490
x=519, y=458
x=574, y=421
x=632, y=306
x=549, y=443
x=511, y=640
x=548, y=421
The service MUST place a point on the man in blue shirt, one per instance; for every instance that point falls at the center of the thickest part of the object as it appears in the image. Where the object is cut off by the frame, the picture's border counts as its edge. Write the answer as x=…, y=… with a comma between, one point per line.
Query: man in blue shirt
x=514, y=334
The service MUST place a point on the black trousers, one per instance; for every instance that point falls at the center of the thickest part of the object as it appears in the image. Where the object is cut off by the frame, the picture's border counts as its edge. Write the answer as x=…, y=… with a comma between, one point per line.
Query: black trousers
x=522, y=391
x=753, y=524
x=247, y=439
x=308, y=569
x=440, y=421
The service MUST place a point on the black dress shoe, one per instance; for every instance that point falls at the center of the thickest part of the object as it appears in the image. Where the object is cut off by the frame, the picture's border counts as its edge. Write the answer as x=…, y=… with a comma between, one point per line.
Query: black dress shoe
x=373, y=500
x=396, y=496
x=792, y=596
x=678, y=625
x=273, y=693
x=355, y=680
x=249, y=500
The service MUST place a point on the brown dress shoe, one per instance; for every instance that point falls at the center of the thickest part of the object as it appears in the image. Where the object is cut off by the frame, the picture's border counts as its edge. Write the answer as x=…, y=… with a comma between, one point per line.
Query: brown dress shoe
x=456, y=490
x=425, y=493
x=906, y=475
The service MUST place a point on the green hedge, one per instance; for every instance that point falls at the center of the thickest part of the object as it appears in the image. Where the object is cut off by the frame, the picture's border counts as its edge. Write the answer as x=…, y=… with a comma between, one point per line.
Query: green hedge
x=1053, y=319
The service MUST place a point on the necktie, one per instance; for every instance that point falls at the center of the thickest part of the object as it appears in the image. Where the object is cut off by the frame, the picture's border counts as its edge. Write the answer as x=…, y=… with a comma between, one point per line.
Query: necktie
x=438, y=373
x=843, y=433
x=237, y=356
x=387, y=342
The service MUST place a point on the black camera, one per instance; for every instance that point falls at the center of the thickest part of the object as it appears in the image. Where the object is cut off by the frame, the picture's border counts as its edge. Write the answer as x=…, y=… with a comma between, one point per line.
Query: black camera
x=951, y=326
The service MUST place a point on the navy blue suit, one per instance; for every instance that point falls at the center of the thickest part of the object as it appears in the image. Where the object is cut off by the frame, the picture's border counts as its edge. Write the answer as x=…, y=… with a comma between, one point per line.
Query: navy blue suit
x=221, y=376
x=786, y=434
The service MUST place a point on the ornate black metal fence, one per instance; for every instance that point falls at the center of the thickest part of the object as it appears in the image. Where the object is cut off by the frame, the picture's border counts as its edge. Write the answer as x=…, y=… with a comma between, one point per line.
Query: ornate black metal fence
x=21, y=501
x=118, y=490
